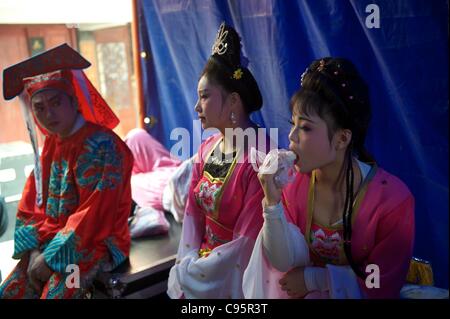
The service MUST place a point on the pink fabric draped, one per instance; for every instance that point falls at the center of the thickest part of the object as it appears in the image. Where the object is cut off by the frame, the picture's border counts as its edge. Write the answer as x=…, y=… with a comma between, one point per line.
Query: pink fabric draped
x=153, y=166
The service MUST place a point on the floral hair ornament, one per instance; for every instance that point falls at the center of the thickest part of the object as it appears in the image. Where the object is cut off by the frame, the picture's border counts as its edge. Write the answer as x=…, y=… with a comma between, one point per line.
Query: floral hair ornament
x=321, y=65
x=320, y=68
x=237, y=75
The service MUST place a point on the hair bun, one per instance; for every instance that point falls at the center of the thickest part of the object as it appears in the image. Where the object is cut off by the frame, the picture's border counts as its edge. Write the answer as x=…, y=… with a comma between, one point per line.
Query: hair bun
x=227, y=46
x=229, y=71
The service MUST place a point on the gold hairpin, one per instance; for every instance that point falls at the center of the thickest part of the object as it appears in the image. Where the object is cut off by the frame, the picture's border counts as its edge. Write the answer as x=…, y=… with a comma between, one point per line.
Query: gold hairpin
x=220, y=46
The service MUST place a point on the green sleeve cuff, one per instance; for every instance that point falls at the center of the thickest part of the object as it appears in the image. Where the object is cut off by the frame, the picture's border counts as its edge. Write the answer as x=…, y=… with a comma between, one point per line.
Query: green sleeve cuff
x=25, y=239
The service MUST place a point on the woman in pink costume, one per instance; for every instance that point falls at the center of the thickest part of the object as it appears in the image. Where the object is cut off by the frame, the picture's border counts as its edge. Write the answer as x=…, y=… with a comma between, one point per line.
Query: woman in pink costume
x=344, y=228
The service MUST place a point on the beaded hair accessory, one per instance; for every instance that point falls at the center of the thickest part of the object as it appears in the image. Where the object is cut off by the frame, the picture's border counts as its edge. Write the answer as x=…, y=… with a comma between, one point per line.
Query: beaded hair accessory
x=60, y=79
x=322, y=68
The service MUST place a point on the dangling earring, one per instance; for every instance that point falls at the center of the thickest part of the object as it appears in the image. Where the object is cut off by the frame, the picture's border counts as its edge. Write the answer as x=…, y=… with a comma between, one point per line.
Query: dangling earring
x=233, y=118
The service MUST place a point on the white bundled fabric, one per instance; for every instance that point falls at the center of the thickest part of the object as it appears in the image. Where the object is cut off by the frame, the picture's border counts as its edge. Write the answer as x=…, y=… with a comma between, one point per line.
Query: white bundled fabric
x=148, y=221
x=278, y=161
x=176, y=191
x=316, y=279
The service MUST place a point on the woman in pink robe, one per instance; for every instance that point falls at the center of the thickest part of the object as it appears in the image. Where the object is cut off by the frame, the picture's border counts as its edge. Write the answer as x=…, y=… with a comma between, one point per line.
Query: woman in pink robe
x=152, y=175
x=153, y=166
x=223, y=213
x=344, y=228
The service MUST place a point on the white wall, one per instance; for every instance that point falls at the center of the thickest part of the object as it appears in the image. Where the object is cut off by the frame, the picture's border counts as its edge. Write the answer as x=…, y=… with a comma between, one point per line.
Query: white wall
x=65, y=11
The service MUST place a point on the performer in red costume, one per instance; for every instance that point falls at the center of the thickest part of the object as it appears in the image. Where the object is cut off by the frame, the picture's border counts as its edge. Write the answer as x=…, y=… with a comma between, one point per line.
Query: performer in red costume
x=75, y=204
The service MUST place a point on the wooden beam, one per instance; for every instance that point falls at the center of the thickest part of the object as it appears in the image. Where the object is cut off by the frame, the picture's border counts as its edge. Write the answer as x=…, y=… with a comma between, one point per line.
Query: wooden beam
x=137, y=64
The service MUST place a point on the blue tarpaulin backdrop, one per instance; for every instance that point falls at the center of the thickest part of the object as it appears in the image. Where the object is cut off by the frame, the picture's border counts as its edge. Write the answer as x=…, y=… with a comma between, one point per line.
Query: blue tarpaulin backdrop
x=404, y=61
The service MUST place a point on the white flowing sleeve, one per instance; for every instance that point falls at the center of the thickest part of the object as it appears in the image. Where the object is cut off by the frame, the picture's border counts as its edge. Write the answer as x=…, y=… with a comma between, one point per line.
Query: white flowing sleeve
x=283, y=243
x=219, y=275
x=343, y=283
x=332, y=281
x=279, y=247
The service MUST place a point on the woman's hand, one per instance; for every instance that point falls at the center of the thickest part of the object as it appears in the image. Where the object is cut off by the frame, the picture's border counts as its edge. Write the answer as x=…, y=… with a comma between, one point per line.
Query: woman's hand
x=266, y=175
x=293, y=282
x=272, y=194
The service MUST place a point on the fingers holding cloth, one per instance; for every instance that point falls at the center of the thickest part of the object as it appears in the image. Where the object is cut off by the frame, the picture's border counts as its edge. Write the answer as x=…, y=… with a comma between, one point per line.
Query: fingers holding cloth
x=275, y=170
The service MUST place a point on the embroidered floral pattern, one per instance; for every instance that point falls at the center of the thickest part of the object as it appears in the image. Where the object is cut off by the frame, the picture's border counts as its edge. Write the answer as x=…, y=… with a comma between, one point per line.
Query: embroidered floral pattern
x=56, y=287
x=237, y=75
x=213, y=239
x=62, y=196
x=100, y=167
x=207, y=194
x=326, y=243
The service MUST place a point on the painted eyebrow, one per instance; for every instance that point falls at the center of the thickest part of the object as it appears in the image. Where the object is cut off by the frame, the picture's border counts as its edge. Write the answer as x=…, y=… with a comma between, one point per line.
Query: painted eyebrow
x=305, y=119
x=37, y=104
x=55, y=97
x=203, y=91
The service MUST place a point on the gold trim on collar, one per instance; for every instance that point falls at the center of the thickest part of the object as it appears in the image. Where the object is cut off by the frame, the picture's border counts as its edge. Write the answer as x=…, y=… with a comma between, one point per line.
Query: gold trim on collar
x=215, y=213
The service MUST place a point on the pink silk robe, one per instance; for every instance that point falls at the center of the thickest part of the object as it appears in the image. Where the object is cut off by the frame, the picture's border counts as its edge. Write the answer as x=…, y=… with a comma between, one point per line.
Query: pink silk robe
x=222, y=218
x=382, y=234
x=153, y=166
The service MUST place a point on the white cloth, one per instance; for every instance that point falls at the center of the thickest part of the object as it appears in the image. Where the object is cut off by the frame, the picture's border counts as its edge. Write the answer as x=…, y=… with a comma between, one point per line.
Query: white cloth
x=219, y=275
x=316, y=278
x=260, y=279
x=279, y=247
x=175, y=193
x=148, y=221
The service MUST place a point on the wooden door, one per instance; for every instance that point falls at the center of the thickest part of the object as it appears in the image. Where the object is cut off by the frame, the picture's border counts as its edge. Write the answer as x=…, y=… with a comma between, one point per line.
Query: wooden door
x=116, y=74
